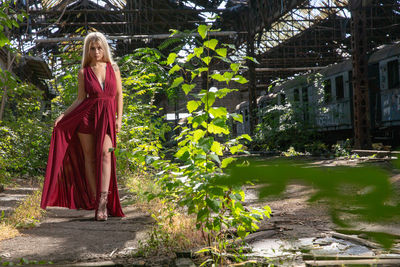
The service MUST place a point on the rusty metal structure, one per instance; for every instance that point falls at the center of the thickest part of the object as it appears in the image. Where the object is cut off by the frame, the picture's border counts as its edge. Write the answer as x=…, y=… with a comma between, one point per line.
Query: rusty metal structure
x=287, y=37
x=360, y=74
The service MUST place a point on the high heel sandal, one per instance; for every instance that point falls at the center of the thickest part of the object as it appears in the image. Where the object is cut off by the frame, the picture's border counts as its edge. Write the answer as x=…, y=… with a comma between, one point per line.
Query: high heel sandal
x=101, y=212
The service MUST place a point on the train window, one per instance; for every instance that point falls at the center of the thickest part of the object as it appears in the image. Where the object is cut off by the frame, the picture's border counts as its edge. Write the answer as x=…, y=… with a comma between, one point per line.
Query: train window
x=393, y=74
x=296, y=95
x=339, y=87
x=304, y=94
x=327, y=91
x=283, y=99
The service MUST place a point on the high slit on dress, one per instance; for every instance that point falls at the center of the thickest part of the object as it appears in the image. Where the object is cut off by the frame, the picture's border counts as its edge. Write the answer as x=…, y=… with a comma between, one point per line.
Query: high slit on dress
x=65, y=183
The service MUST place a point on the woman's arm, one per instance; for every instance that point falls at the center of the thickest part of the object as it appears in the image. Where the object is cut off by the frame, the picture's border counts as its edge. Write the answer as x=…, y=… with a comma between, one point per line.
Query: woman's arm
x=78, y=100
x=119, y=99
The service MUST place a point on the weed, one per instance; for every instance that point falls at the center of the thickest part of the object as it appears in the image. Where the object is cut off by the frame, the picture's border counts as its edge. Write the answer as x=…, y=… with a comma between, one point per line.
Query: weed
x=291, y=152
x=7, y=231
x=174, y=231
x=28, y=213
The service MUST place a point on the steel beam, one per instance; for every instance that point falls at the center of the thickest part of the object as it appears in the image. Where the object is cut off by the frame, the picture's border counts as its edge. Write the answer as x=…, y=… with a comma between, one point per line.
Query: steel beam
x=362, y=138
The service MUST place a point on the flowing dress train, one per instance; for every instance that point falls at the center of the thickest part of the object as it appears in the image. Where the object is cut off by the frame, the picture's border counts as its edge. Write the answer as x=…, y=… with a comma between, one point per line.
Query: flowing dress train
x=65, y=183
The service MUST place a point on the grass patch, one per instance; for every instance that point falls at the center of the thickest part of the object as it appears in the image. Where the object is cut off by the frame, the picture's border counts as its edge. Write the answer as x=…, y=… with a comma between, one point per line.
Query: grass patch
x=26, y=214
x=7, y=231
x=174, y=231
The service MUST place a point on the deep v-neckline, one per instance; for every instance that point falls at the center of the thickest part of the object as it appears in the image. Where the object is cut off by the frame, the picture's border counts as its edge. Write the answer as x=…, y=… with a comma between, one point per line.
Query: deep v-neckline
x=97, y=78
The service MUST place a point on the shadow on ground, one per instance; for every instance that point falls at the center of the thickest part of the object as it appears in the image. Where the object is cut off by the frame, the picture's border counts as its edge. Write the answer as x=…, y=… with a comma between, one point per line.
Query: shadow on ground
x=73, y=235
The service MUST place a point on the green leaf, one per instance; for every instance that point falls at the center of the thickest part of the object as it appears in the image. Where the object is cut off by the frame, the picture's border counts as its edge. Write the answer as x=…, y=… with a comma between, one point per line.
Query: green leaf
x=202, y=69
x=215, y=129
x=211, y=44
x=182, y=153
x=214, y=157
x=188, y=87
x=231, y=46
x=15, y=24
x=241, y=232
x=189, y=57
x=203, y=30
x=203, y=250
x=171, y=58
x=198, y=134
x=245, y=136
x=237, y=117
x=213, y=204
x=193, y=105
x=194, y=74
x=202, y=214
x=3, y=15
x=173, y=32
x=235, y=67
x=223, y=92
x=198, y=51
x=3, y=40
x=222, y=52
x=217, y=148
x=226, y=162
x=201, y=156
x=217, y=224
x=236, y=149
x=174, y=69
x=228, y=76
x=216, y=191
x=252, y=59
x=218, y=76
x=208, y=99
x=206, y=143
x=240, y=79
x=177, y=82
x=20, y=17
x=207, y=60
x=198, y=120
x=24, y=261
x=219, y=112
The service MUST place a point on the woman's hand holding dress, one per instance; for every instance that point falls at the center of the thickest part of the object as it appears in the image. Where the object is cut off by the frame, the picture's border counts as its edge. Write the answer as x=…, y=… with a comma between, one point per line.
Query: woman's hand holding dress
x=58, y=119
x=118, y=123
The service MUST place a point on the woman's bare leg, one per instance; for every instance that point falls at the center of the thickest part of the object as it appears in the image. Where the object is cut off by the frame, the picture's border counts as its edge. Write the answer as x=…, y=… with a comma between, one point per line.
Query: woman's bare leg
x=106, y=164
x=87, y=143
x=105, y=179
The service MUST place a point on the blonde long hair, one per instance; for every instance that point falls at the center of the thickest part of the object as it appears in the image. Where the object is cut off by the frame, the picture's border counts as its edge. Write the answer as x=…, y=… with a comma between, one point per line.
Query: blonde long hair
x=92, y=38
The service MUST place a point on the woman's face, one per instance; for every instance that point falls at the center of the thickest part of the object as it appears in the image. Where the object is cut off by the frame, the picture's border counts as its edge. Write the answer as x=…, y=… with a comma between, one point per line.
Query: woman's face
x=96, y=51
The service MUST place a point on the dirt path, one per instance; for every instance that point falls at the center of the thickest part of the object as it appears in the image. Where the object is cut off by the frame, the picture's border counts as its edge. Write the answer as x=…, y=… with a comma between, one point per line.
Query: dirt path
x=72, y=236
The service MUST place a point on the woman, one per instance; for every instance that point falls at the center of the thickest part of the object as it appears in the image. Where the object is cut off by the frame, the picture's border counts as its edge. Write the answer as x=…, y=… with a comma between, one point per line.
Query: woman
x=81, y=166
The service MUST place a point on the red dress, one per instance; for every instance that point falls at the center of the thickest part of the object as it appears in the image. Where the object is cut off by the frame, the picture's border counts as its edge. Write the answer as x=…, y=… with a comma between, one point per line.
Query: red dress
x=65, y=184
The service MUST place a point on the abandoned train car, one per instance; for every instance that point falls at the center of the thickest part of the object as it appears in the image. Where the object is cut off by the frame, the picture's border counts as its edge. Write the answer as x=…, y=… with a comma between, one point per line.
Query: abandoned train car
x=327, y=98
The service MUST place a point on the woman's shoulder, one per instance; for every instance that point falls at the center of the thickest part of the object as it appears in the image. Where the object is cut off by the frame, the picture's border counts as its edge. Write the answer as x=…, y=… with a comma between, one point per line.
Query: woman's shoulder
x=81, y=71
x=115, y=67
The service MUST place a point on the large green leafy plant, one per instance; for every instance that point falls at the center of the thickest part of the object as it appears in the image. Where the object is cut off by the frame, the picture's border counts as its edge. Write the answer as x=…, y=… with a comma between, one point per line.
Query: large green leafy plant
x=203, y=149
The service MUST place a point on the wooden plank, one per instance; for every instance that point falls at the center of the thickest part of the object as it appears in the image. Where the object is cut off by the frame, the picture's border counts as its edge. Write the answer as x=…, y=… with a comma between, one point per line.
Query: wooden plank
x=367, y=262
x=355, y=240
x=313, y=257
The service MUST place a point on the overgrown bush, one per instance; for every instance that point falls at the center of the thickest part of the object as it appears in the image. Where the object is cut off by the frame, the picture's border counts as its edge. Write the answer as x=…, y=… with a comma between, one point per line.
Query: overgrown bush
x=25, y=132
x=143, y=128
x=284, y=126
